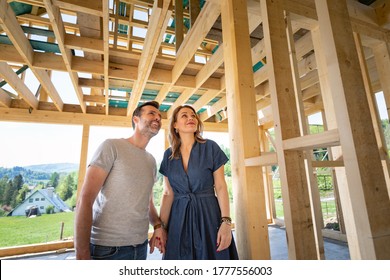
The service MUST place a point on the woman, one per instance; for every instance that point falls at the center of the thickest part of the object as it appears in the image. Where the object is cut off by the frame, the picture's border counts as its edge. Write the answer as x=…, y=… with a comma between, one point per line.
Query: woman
x=195, y=204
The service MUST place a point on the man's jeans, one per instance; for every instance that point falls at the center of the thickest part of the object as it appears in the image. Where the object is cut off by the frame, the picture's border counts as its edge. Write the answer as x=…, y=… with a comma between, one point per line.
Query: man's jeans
x=136, y=252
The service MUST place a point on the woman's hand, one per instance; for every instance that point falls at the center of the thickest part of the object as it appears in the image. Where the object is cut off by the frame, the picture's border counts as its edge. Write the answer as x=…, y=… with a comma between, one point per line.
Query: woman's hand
x=158, y=240
x=224, y=237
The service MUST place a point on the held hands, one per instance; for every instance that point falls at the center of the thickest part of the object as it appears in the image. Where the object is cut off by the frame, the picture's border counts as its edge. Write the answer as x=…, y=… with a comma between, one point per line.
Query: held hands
x=158, y=240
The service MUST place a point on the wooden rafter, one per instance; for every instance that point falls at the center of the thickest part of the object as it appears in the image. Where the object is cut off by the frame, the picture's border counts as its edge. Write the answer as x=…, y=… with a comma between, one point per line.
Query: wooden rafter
x=18, y=85
x=19, y=40
x=157, y=26
x=59, y=30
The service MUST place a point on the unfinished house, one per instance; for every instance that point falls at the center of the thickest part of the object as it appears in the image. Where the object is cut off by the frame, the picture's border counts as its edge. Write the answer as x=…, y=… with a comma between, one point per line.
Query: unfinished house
x=248, y=67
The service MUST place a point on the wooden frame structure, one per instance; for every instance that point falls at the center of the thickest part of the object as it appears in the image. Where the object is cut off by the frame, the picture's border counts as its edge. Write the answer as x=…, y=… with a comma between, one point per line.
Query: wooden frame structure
x=230, y=59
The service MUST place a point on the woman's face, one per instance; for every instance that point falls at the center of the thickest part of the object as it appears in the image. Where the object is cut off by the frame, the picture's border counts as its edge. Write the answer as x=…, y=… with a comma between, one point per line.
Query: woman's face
x=186, y=121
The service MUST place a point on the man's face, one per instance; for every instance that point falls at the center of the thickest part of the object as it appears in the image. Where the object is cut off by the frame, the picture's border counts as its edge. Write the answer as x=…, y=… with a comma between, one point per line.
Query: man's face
x=150, y=121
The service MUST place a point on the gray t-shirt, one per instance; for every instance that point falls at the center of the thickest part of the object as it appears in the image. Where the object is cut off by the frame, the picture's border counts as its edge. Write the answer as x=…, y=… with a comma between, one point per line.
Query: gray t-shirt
x=120, y=211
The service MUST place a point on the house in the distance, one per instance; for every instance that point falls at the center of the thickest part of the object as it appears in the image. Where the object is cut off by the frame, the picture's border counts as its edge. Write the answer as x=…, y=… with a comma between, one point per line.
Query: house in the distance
x=40, y=200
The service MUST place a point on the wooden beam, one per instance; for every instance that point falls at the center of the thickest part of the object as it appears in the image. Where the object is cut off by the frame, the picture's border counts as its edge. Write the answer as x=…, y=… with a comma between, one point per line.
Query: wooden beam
x=182, y=99
x=59, y=31
x=251, y=218
x=295, y=193
x=156, y=30
x=327, y=163
x=265, y=159
x=5, y=100
x=84, y=44
x=368, y=229
x=194, y=38
x=84, y=6
x=106, y=48
x=21, y=43
x=18, y=85
x=311, y=141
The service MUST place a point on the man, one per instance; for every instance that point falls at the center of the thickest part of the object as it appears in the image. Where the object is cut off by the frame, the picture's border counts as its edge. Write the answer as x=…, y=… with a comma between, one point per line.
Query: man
x=116, y=199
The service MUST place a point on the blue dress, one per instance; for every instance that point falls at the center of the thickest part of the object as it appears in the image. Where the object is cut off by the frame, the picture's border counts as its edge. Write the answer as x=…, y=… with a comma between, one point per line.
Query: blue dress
x=195, y=214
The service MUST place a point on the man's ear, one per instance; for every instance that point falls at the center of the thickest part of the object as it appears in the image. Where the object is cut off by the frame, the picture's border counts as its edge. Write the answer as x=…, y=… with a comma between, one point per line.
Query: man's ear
x=136, y=119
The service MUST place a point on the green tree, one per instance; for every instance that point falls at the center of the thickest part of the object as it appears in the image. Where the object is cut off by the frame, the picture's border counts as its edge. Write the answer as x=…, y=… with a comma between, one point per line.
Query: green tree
x=8, y=193
x=3, y=185
x=54, y=180
x=22, y=194
x=66, y=188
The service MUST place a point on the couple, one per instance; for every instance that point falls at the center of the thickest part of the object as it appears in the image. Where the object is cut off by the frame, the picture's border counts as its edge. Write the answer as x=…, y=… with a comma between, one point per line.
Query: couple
x=116, y=205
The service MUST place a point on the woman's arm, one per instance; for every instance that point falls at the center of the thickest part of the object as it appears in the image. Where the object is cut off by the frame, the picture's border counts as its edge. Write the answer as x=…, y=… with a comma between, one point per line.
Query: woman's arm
x=159, y=236
x=224, y=237
x=166, y=202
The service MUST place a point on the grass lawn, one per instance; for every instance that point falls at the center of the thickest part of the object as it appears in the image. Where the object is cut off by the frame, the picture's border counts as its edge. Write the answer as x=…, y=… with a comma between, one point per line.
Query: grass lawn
x=15, y=231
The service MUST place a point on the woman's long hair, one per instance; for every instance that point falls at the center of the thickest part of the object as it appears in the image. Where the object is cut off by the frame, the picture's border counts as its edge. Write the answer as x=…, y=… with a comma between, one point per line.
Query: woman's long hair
x=174, y=137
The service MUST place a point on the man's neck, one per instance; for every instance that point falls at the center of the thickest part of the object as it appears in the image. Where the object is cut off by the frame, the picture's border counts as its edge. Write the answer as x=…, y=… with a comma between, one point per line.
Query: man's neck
x=139, y=140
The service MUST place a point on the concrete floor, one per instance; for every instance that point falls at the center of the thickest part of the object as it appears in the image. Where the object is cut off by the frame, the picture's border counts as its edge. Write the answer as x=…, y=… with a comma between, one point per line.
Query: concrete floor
x=334, y=250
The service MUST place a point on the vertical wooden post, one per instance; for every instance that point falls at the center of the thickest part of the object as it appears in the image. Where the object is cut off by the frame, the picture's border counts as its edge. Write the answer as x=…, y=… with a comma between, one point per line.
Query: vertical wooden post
x=296, y=202
x=83, y=158
x=249, y=198
x=364, y=199
x=313, y=192
x=376, y=121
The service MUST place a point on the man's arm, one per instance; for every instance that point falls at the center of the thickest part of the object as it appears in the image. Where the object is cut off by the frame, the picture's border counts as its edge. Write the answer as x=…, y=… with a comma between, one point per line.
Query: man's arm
x=93, y=182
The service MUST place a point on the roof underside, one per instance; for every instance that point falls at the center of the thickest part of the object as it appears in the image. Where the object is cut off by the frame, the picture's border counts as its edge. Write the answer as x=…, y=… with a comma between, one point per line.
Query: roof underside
x=119, y=53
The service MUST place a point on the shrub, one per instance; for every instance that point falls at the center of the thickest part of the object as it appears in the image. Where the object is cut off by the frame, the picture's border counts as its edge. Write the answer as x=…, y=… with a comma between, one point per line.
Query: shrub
x=50, y=209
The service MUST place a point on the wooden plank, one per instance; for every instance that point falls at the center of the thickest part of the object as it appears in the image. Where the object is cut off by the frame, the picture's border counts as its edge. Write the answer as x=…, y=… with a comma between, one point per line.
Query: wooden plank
x=251, y=218
x=84, y=44
x=18, y=85
x=106, y=48
x=210, y=67
x=327, y=163
x=59, y=31
x=368, y=231
x=182, y=99
x=266, y=159
x=194, y=38
x=215, y=108
x=83, y=159
x=319, y=140
x=156, y=30
x=376, y=119
x=73, y=116
x=36, y=248
x=21, y=43
x=91, y=83
x=92, y=7
x=205, y=98
x=5, y=100
x=296, y=201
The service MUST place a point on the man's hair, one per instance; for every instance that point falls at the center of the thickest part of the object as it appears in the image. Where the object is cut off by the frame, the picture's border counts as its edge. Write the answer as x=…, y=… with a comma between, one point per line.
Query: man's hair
x=137, y=112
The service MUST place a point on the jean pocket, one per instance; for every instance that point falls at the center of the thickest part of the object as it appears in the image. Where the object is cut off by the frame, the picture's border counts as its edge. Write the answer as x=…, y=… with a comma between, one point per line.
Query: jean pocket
x=103, y=252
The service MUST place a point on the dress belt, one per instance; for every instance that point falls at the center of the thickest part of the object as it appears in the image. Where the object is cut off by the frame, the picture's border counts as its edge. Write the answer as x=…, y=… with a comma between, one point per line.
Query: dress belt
x=192, y=196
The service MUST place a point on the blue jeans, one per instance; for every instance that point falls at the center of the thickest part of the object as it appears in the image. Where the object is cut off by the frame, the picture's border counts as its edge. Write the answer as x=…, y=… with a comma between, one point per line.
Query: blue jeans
x=136, y=252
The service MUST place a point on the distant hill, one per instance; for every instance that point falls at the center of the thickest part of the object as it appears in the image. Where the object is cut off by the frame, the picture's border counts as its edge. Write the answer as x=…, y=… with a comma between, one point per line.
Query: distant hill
x=54, y=167
x=38, y=173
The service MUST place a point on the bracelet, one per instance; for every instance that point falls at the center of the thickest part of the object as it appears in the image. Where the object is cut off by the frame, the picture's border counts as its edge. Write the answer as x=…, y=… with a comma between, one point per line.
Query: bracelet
x=157, y=226
x=226, y=220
